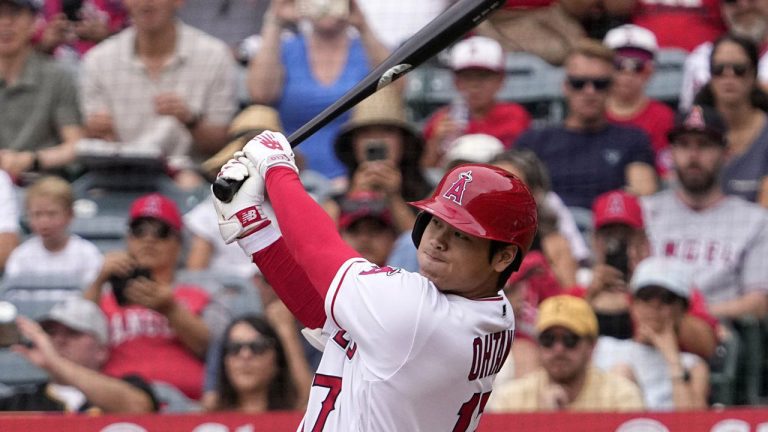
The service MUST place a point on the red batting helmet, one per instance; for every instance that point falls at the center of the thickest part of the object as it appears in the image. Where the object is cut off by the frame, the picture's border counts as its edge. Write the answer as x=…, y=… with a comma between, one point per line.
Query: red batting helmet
x=484, y=201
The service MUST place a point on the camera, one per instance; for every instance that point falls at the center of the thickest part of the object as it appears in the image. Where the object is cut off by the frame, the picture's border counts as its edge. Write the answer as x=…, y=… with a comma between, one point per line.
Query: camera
x=120, y=282
x=376, y=150
x=71, y=9
x=616, y=255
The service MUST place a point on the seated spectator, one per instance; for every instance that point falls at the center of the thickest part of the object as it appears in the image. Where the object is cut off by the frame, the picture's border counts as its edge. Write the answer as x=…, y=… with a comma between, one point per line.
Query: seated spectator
x=262, y=366
x=159, y=329
x=587, y=155
x=668, y=378
x=722, y=238
x=747, y=19
x=9, y=219
x=738, y=97
x=52, y=249
x=70, y=344
x=478, y=65
x=567, y=381
x=40, y=121
x=680, y=24
x=472, y=148
x=160, y=88
x=635, y=49
x=366, y=224
x=285, y=73
x=381, y=151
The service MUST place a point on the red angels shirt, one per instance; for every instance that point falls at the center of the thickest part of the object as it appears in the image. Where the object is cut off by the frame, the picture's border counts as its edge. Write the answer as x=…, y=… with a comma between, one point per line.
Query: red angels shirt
x=656, y=120
x=142, y=342
x=505, y=121
x=680, y=23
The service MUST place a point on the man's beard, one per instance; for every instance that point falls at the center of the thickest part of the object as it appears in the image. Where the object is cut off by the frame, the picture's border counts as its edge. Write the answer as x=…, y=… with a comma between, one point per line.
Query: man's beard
x=698, y=184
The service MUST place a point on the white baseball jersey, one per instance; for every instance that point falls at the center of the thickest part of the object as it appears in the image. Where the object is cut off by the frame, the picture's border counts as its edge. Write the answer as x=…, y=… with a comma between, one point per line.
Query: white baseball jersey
x=726, y=243
x=402, y=356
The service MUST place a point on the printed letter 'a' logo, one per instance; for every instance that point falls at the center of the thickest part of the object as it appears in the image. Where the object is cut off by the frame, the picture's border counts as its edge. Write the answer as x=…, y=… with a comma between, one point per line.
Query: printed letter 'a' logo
x=456, y=191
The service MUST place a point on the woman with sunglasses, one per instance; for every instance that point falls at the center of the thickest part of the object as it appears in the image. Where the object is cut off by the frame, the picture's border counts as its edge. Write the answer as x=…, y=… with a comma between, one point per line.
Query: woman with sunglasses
x=736, y=93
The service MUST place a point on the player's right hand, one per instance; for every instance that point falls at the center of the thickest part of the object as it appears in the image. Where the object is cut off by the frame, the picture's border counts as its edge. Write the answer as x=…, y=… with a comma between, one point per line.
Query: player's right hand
x=268, y=150
x=243, y=215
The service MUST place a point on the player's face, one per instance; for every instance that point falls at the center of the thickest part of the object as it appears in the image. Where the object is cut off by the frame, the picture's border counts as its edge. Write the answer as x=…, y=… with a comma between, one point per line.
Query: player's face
x=17, y=25
x=564, y=354
x=479, y=87
x=75, y=346
x=371, y=238
x=48, y=218
x=249, y=359
x=697, y=160
x=747, y=18
x=586, y=87
x=152, y=16
x=732, y=74
x=154, y=244
x=457, y=262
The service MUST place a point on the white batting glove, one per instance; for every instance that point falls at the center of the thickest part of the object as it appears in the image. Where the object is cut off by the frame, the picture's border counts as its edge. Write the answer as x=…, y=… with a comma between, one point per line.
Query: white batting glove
x=270, y=149
x=243, y=215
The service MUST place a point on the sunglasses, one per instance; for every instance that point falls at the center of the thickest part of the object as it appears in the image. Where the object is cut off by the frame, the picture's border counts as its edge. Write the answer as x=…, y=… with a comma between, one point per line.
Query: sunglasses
x=256, y=347
x=738, y=69
x=628, y=64
x=649, y=293
x=568, y=340
x=141, y=229
x=599, y=84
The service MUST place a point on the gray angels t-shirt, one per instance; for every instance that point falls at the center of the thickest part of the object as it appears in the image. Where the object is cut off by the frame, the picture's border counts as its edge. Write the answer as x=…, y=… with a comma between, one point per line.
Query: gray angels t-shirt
x=742, y=175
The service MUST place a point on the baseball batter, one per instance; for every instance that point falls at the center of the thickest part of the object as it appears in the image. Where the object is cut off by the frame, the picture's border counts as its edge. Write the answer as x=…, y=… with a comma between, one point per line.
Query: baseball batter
x=402, y=351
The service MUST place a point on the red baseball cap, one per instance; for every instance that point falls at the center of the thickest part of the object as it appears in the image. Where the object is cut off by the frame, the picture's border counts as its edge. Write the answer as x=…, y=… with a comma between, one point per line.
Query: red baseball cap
x=360, y=205
x=617, y=207
x=156, y=206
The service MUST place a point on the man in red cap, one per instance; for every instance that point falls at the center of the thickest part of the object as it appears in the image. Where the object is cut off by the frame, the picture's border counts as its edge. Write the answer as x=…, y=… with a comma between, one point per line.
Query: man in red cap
x=159, y=328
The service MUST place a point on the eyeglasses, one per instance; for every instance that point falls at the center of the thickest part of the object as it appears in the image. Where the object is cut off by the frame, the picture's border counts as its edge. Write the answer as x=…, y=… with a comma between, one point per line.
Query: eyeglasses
x=646, y=294
x=568, y=340
x=629, y=64
x=141, y=229
x=738, y=69
x=599, y=84
x=256, y=347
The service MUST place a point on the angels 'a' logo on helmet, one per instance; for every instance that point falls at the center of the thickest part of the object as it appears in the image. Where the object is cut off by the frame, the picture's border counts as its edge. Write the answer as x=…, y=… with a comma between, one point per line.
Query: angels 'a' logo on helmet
x=456, y=192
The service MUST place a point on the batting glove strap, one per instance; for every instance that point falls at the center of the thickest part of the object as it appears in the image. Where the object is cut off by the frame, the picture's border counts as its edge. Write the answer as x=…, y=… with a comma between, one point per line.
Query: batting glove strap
x=259, y=240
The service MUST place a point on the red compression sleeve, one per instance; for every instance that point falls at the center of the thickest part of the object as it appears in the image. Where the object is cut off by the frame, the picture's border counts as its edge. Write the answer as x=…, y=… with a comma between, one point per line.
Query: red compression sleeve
x=291, y=284
x=309, y=232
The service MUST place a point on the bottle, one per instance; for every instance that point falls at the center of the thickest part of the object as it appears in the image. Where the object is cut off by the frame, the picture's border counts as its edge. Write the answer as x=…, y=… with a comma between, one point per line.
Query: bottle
x=459, y=114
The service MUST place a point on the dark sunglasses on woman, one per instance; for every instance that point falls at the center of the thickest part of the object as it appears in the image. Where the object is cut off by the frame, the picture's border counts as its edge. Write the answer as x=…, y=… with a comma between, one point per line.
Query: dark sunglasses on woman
x=255, y=347
x=738, y=69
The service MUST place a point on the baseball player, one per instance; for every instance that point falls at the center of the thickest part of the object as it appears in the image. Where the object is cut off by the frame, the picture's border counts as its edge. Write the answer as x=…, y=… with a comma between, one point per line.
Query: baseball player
x=403, y=351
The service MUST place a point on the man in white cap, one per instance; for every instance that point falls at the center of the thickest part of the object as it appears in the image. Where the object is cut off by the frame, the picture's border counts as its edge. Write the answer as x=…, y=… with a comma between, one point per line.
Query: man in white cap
x=70, y=344
x=635, y=50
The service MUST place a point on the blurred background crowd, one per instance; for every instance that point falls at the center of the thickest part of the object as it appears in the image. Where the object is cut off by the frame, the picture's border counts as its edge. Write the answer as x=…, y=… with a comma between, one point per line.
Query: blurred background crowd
x=639, y=125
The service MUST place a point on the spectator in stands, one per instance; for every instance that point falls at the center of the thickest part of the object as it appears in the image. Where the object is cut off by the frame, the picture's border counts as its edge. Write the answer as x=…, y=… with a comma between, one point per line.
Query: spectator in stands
x=635, y=49
x=40, y=121
x=9, y=219
x=366, y=224
x=472, y=148
x=478, y=65
x=723, y=238
x=161, y=88
x=747, y=19
x=669, y=379
x=303, y=74
x=70, y=344
x=680, y=24
x=159, y=328
x=737, y=96
x=381, y=151
x=53, y=250
x=395, y=21
x=262, y=366
x=73, y=27
x=587, y=155
x=567, y=381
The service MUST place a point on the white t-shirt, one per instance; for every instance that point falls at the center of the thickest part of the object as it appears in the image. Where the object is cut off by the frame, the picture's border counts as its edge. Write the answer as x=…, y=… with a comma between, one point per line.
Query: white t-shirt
x=566, y=225
x=394, y=21
x=79, y=260
x=726, y=244
x=402, y=356
x=9, y=212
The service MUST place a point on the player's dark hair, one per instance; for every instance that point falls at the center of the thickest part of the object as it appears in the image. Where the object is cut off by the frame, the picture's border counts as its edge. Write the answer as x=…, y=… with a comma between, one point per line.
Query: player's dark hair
x=282, y=394
x=497, y=246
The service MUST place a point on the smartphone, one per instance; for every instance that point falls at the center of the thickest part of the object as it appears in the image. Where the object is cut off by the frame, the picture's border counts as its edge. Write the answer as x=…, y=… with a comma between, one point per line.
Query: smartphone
x=9, y=333
x=120, y=282
x=616, y=255
x=376, y=150
x=71, y=8
x=314, y=9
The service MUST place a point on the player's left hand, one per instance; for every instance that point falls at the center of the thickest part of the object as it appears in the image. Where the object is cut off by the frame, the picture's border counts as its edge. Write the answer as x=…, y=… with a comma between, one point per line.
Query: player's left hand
x=268, y=150
x=243, y=214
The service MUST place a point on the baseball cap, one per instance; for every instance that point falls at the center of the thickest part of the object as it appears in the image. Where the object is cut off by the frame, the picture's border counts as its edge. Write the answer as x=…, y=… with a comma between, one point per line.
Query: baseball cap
x=665, y=272
x=360, y=205
x=632, y=41
x=33, y=5
x=477, y=52
x=702, y=119
x=477, y=148
x=573, y=313
x=79, y=314
x=617, y=207
x=156, y=206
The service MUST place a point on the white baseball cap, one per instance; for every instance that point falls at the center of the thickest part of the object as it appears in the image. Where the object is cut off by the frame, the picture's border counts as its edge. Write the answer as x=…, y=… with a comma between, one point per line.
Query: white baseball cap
x=476, y=148
x=631, y=37
x=477, y=52
x=81, y=315
x=665, y=272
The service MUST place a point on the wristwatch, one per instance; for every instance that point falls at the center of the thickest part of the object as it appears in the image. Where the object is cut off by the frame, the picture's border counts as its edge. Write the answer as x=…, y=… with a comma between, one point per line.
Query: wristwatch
x=684, y=376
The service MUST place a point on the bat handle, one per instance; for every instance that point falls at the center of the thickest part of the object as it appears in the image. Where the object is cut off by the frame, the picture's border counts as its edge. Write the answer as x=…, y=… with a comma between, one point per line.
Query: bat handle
x=225, y=189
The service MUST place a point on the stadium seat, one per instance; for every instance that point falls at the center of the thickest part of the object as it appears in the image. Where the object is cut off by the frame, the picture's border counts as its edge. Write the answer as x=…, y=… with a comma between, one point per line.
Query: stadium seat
x=723, y=368
x=667, y=80
x=238, y=294
x=16, y=371
x=172, y=400
x=34, y=295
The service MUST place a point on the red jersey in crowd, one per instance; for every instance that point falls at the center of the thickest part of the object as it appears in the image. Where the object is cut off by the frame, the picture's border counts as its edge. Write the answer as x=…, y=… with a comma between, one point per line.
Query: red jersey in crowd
x=505, y=121
x=656, y=120
x=680, y=23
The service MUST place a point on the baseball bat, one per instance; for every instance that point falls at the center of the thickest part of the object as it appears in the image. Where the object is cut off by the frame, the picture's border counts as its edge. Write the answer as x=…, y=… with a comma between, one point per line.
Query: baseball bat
x=446, y=28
